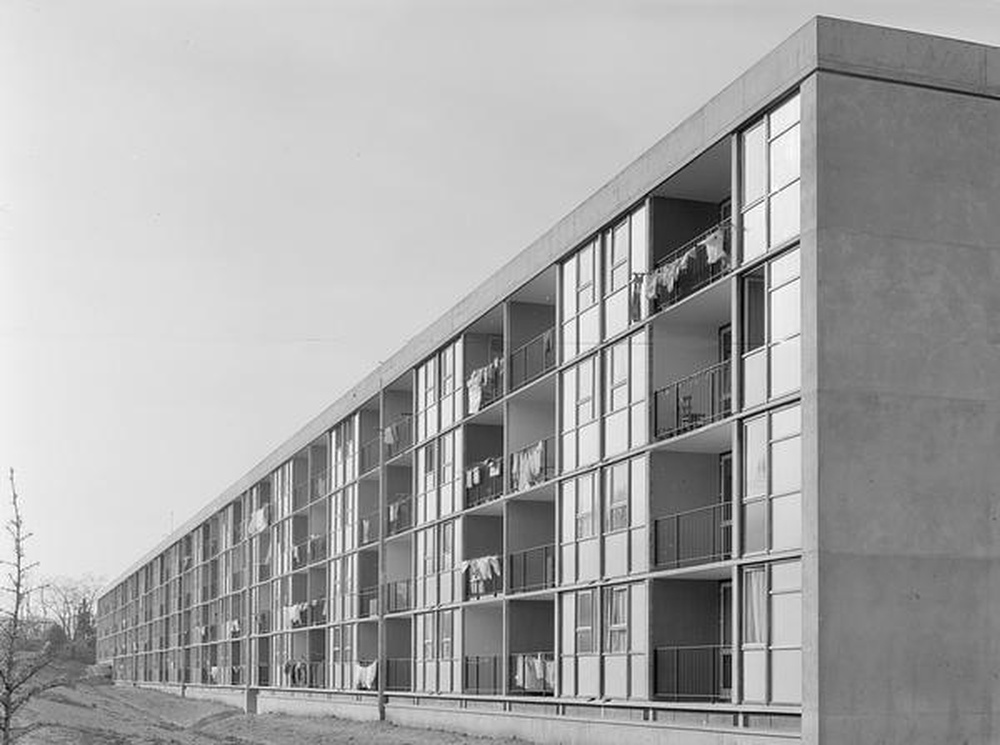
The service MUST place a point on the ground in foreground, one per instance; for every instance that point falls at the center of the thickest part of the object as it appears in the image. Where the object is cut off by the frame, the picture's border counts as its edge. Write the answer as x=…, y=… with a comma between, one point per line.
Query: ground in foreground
x=92, y=712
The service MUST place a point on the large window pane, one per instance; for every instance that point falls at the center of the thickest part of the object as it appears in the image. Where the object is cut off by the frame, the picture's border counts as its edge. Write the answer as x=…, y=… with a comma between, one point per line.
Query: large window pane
x=786, y=676
x=786, y=619
x=785, y=115
x=786, y=466
x=786, y=367
x=755, y=378
x=755, y=457
x=754, y=232
x=785, y=311
x=786, y=422
x=784, y=214
x=786, y=522
x=755, y=526
x=754, y=171
x=784, y=159
x=754, y=675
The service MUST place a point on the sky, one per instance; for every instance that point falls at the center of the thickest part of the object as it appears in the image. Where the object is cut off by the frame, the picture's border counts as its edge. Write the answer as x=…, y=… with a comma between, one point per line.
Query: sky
x=217, y=216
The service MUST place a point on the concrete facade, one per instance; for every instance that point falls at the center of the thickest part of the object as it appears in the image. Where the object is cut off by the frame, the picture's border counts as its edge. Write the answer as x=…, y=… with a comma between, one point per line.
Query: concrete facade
x=777, y=523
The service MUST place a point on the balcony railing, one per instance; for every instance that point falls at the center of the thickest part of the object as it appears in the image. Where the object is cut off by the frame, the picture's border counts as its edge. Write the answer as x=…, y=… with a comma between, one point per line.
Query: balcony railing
x=482, y=674
x=533, y=359
x=398, y=674
x=693, y=673
x=533, y=465
x=483, y=577
x=532, y=673
x=696, y=264
x=483, y=481
x=694, y=401
x=697, y=536
x=368, y=602
x=483, y=386
x=398, y=435
x=399, y=596
x=532, y=569
x=400, y=514
x=369, y=454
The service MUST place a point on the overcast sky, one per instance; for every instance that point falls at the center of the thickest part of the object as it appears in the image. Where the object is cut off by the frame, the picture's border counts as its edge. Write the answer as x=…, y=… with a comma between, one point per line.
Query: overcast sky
x=215, y=217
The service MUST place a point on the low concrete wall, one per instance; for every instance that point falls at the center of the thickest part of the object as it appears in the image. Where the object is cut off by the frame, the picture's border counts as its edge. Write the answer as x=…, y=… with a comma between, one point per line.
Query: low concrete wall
x=362, y=708
x=573, y=730
x=230, y=696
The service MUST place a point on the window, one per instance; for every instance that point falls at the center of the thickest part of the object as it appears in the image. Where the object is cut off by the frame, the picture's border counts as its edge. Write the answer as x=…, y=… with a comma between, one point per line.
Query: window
x=427, y=399
x=427, y=470
x=616, y=619
x=769, y=190
x=616, y=497
x=585, y=622
x=580, y=310
x=772, y=633
x=624, y=394
x=625, y=252
x=586, y=503
x=580, y=426
x=446, y=623
x=450, y=367
x=450, y=471
x=771, y=330
x=428, y=638
x=345, y=463
x=772, y=481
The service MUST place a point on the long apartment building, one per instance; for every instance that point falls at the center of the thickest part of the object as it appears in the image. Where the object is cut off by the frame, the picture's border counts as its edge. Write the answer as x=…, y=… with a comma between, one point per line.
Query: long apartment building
x=715, y=460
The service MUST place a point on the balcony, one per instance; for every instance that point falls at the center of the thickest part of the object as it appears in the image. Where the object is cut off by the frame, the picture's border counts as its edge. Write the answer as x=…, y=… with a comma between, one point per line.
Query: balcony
x=532, y=674
x=483, y=482
x=398, y=435
x=694, y=401
x=532, y=569
x=697, y=264
x=482, y=674
x=533, y=465
x=400, y=515
x=399, y=596
x=693, y=673
x=697, y=536
x=533, y=359
x=398, y=674
x=483, y=386
x=368, y=602
x=369, y=455
x=368, y=526
x=483, y=577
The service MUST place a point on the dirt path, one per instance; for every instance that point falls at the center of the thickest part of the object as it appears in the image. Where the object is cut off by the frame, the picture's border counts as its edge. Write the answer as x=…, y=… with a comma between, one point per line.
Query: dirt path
x=96, y=713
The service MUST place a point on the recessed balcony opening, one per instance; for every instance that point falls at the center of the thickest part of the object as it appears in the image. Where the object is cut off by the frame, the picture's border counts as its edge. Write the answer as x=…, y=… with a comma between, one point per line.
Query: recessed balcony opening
x=691, y=503
x=366, y=667
x=370, y=437
x=300, y=479
x=482, y=664
x=531, y=438
x=531, y=551
x=692, y=638
x=482, y=555
x=368, y=606
x=399, y=575
x=531, y=663
x=368, y=513
x=484, y=466
x=399, y=654
x=397, y=419
x=532, y=326
x=690, y=229
x=692, y=350
x=399, y=499
x=319, y=467
x=483, y=362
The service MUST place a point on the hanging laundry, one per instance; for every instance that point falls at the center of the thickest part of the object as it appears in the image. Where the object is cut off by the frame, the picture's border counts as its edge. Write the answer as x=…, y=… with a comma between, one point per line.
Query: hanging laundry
x=494, y=467
x=257, y=521
x=714, y=244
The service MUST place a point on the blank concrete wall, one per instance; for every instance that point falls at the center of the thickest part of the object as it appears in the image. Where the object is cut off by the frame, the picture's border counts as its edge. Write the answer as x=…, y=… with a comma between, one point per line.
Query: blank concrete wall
x=903, y=392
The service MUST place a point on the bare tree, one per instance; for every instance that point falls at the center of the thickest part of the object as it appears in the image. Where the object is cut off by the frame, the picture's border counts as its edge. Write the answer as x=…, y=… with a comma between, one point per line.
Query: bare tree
x=66, y=601
x=21, y=666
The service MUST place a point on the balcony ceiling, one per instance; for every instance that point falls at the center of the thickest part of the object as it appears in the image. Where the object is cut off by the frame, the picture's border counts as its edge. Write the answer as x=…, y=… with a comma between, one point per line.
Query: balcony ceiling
x=706, y=179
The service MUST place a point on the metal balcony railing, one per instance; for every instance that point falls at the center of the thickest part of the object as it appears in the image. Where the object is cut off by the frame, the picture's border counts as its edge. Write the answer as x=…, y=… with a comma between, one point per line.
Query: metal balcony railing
x=400, y=514
x=398, y=435
x=399, y=595
x=482, y=674
x=368, y=601
x=483, y=481
x=532, y=673
x=533, y=359
x=697, y=536
x=694, y=401
x=398, y=674
x=533, y=465
x=483, y=577
x=693, y=673
x=532, y=569
x=696, y=264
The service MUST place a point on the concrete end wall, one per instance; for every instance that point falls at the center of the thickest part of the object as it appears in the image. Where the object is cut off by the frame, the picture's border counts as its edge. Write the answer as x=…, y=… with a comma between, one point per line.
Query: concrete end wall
x=906, y=528
x=305, y=704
